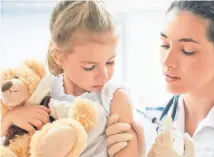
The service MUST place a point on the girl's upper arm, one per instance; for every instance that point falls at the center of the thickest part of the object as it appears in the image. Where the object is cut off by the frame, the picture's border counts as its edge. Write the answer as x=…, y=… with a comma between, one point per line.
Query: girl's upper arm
x=120, y=106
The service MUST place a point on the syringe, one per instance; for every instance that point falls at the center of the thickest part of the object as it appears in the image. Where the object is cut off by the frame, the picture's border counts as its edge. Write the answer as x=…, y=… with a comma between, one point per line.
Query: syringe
x=156, y=121
x=177, y=137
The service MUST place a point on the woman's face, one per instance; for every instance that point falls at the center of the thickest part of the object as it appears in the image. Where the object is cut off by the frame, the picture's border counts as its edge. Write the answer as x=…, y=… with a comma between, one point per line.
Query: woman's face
x=187, y=56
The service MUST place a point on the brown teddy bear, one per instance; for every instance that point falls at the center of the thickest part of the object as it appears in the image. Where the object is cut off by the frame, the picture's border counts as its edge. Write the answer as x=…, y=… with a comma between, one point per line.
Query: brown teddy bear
x=29, y=83
x=18, y=85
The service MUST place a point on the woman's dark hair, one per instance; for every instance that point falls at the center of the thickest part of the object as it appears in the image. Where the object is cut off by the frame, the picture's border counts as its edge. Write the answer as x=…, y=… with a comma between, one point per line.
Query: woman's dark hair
x=204, y=9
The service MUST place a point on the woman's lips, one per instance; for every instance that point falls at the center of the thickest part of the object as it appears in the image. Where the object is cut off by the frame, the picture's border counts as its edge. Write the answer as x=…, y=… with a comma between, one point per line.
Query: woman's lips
x=171, y=78
x=99, y=86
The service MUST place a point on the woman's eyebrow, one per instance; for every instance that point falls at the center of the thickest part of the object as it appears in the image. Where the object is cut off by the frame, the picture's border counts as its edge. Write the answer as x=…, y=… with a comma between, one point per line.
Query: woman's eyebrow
x=163, y=35
x=182, y=39
x=112, y=57
x=188, y=40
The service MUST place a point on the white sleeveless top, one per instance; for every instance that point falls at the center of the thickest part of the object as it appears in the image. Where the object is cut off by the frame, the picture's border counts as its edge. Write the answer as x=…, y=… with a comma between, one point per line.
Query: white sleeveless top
x=97, y=140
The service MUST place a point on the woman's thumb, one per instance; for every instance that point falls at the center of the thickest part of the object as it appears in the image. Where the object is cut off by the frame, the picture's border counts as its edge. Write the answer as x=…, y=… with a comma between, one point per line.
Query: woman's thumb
x=189, y=146
x=168, y=124
x=167, y=130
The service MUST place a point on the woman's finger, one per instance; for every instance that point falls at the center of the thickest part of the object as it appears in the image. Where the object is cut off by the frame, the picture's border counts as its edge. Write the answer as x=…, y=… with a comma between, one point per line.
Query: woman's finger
x=113, y=139
x=116, y=148
x=112, y=119
x=117, y=128
x=167, y=135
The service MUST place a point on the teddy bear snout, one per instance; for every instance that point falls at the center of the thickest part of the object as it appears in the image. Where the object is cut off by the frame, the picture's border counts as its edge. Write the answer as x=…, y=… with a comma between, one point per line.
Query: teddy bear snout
x=6, y=86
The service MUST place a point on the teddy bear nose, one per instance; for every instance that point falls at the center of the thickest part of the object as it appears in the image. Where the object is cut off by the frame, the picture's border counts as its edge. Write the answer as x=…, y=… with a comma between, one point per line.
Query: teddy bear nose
x=6, y=86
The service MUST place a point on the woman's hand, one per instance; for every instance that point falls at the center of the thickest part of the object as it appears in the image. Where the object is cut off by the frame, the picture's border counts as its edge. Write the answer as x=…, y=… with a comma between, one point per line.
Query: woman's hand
x=118, y=138
x=163, y=146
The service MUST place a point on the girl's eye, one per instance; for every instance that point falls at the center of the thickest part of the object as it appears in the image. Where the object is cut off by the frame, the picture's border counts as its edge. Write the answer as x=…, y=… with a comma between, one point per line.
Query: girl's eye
x=89, y=69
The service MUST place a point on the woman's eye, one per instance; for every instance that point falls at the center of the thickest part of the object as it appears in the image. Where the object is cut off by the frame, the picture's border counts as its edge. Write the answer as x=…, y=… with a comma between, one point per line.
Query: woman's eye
x=110, y=63
x=188, y=53
x=165, y=46
x=89, y=69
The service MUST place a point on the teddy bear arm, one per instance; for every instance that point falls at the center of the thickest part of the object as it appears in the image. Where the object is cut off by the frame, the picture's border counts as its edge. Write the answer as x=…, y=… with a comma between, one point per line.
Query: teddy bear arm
x=5, y=151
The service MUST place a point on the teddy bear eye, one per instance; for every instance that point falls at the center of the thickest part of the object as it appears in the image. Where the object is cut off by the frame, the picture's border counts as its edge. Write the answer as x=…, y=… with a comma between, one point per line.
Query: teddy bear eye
x=16, y=77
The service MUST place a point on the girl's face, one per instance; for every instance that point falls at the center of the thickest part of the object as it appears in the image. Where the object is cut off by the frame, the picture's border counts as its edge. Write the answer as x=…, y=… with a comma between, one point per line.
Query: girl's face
x=91, y=62
x=187, y=56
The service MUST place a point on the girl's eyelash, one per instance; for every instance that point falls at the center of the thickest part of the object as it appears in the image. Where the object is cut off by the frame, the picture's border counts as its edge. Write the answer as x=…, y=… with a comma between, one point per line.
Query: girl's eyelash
x=90, y=69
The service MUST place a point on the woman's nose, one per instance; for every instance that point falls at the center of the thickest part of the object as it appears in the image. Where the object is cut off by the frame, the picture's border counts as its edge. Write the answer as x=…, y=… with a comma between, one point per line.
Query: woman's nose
x=169, y=59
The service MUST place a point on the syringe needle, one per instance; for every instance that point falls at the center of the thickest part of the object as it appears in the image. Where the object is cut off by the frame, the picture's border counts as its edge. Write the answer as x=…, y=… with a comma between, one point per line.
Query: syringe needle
x=154, y=120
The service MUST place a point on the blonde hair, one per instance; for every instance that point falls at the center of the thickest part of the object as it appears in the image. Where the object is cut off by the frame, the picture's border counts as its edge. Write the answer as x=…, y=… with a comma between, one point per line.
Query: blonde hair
x=70, y=16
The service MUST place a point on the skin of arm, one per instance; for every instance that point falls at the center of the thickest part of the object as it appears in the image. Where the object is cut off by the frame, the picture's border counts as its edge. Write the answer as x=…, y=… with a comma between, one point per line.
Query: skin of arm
x=120, y=106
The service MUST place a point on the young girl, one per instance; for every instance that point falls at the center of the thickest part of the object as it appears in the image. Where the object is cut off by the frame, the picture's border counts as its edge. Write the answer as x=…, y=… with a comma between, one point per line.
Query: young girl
x=81, y=55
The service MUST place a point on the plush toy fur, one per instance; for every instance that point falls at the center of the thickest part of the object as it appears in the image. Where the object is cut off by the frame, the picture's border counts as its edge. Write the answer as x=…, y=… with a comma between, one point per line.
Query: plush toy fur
x=24, y=78
x=70, y=137
x=6, y=152
x=17, y=85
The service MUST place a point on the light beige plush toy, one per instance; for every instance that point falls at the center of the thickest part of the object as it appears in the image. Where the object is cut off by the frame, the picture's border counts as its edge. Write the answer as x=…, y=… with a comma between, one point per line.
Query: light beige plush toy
x=18, y=85
x=29, y=83
x=82, y=117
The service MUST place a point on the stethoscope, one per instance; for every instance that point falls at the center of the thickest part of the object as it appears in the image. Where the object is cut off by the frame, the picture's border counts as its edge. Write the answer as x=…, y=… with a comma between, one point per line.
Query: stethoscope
x=172, y=106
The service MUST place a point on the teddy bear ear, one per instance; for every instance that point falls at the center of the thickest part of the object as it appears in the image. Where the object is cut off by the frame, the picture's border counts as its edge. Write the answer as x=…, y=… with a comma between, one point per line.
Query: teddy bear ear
x=5, y=75
x=36, y=66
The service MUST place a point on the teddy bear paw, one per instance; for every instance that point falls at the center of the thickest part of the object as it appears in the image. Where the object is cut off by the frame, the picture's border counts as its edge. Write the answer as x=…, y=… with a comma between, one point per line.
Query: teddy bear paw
x=57, y=142
x=6, y=152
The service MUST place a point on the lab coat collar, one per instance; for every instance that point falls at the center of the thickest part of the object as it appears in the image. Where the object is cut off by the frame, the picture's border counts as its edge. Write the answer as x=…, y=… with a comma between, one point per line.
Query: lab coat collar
x=208, y=121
